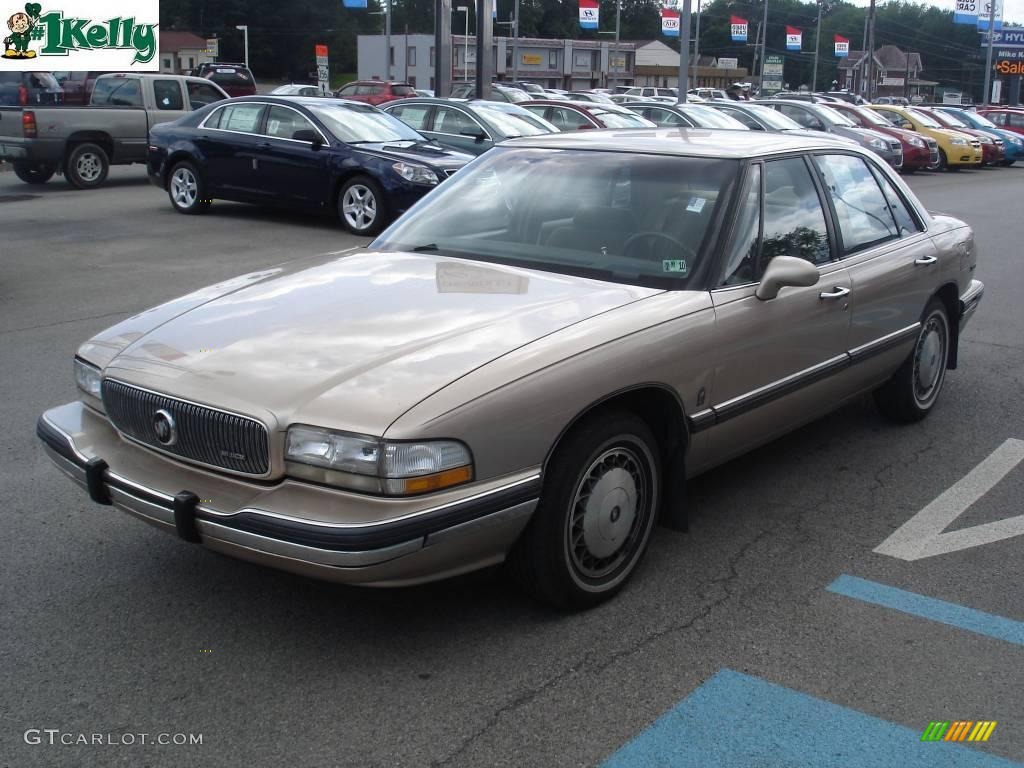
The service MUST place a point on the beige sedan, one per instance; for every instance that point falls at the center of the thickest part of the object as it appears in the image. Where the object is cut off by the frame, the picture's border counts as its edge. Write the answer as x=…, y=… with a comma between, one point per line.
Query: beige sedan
x=529, y=364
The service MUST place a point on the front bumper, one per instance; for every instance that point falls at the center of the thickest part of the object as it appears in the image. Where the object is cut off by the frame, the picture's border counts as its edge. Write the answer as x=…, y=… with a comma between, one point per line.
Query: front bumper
x=299, y=527
x=916, y=158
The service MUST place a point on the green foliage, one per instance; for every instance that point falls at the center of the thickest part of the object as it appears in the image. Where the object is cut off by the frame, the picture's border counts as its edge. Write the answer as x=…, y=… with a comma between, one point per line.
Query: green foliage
x=282, y=35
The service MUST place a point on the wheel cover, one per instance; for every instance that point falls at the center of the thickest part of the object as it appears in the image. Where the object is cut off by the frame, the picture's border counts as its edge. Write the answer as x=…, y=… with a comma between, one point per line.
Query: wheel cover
x=184, y=188
x=930, y=359
x=88, y=166
x=359, y=206
x=609, y=514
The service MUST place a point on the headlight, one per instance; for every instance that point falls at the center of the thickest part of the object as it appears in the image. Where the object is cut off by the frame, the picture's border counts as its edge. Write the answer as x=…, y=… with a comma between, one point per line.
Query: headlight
x=914, y=142
x=417, y=174
x=364, y=463
x=984, y=139
x=958, y=142
x=88, y=378
x=877, y=144
x=1014, y=141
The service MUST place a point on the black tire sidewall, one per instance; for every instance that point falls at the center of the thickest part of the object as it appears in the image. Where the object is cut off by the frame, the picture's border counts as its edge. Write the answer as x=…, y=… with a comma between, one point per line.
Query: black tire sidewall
x=896, y=398
x=38, y=173
x=378, y=194
x=71, y=173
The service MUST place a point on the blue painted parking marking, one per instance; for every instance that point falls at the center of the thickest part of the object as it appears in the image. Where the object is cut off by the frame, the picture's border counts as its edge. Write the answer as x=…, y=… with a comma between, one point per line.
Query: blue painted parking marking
x=952, y=614
x=738, y=721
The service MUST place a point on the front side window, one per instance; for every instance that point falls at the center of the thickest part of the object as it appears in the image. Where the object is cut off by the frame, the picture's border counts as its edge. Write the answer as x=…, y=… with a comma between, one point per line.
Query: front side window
x=168, y=95
x=569, y=119
x=413, y=115
x=244, y=118
x=201, y=94
x=802, y=116
x=861, y=208
x=284, y=123
x=552, y=59
x=454, y=121
x=639, y=219
x=665, y=117
x=794, y=223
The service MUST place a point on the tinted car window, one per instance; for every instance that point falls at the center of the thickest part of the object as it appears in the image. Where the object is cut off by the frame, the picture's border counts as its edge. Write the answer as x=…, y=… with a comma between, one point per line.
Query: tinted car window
x=168, y=94
x=201, y=94
x=240, y=117
x=117, y=92
x=413, y=115
x=861, y=209
x=282, y=123
x=794, y=223
x=741, y=257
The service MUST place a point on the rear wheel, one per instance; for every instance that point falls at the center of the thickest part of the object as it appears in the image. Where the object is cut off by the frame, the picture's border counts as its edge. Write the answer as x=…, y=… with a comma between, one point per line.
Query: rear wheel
x=38, y=173
x=914, y=389
x=186, y=190
x=87, y=166
x=595, y=515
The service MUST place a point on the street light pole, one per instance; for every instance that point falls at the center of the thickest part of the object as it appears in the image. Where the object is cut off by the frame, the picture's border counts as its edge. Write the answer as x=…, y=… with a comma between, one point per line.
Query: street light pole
x=817, y=46
x=987, y=97
x=387, y=38
x=515, y=45
x=245, y=30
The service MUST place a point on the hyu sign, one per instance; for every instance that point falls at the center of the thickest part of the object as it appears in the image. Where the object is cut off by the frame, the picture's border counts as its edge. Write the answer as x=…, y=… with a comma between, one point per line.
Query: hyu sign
x=99, y=34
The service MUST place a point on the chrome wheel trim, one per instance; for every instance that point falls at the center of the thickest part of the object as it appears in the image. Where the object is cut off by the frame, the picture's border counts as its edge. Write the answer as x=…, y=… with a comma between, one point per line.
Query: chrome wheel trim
x=184, y=188
x=359, y=207
x=88, y=166
x=930, y=355
x=610, y=517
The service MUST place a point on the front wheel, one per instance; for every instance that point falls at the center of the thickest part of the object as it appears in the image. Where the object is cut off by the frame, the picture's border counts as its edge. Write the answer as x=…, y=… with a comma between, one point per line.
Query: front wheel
x=913, y=390
x=943, y=162
x=361, y=206
x=595, y=515
x=185, y=188
x=87, y=166
x=34, y=174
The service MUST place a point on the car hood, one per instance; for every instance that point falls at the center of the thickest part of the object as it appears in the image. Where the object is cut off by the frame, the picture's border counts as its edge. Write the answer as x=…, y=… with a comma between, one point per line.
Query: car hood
x=417, y=151
x=353, y=342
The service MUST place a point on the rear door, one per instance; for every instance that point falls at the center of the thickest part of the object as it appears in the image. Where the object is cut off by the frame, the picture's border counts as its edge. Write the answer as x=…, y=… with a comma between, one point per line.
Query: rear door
x=287, y=165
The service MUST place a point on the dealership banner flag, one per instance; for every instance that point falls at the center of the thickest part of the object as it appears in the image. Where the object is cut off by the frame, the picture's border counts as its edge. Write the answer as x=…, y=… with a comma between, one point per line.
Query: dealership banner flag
x=794, y=39
x=966, y=12
x=738, y=27
x=984, y=8
x=669, y=22
x=354, y=3
x=842, y=46
x=588, y=14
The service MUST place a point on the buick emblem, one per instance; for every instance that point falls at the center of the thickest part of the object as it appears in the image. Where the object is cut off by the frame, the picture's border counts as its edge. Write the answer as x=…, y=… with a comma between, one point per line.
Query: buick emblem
x=165, y=428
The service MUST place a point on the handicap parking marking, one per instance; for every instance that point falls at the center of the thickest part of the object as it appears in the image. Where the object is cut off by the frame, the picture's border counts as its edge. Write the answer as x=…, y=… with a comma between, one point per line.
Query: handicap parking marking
x=922, y=535
x=738, y=721
x=954, y=615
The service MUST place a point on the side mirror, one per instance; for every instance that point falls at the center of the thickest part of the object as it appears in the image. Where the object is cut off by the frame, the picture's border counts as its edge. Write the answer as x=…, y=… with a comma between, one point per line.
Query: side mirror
x=476, y=135
x=308, y=134
x=783, y=271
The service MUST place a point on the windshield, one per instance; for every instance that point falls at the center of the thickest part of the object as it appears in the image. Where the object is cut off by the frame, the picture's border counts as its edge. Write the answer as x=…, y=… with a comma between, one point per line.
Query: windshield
x=922, y=118
x=834, y=116
x=871, y=117
x=634, y=218
x=978, y=121
x=514, y=94
x=948, y=120
x=356, y=123
x=709, y=117
x=618, y=119
x=773, y=119
x=511, y=120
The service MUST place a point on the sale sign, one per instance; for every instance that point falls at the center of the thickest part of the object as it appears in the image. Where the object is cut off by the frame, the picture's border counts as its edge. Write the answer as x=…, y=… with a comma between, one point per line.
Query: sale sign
x=738, y=29
x=842, y=46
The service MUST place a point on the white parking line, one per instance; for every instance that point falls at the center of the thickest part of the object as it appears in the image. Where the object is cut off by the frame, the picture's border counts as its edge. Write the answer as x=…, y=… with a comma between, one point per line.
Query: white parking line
x=922, y=535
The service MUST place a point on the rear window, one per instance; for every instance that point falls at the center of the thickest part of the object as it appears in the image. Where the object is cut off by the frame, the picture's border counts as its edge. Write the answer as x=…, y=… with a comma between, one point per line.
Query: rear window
x=403, y=90
x=230, y=76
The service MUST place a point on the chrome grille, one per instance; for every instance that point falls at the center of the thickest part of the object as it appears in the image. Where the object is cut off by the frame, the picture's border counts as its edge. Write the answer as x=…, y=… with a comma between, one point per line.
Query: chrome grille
x=205, y=435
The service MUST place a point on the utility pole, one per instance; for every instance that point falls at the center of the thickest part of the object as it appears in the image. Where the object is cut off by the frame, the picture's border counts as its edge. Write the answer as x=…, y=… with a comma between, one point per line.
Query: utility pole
x=484, y=48
x=871, y=51
x=443, y=47
x=684, y=53
x=515, y=45
x=987, y=98
x=906, y=79
x=757, y=44
x=618, y=26
x=817, y=45
x=764, y=38
x=696, y=50
x=405, y=55
x=387, y=38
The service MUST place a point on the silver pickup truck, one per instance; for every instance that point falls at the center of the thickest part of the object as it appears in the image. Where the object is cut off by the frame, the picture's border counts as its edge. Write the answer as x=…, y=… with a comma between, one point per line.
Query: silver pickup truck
x=83, y=142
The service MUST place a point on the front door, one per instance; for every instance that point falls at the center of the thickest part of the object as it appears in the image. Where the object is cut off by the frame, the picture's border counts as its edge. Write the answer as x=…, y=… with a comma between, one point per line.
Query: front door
x=287, y=165
x=780, y=362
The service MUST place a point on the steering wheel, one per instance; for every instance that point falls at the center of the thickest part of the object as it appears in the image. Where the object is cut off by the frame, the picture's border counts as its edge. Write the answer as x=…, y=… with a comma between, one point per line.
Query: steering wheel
x=688, y=252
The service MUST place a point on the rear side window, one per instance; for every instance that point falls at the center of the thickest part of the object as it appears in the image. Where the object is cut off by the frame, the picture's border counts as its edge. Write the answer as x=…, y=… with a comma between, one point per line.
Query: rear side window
x=117, y=92
x=861, y=209
x=168, y=95
x=905, y=221
x=794, y=223
x=568, y=119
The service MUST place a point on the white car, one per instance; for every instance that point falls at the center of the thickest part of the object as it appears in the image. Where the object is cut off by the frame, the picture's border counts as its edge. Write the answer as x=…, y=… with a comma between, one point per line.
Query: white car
x=293, y=89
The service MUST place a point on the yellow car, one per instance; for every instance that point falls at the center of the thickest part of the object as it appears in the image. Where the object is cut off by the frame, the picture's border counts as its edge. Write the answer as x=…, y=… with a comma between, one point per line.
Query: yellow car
x=956, y=150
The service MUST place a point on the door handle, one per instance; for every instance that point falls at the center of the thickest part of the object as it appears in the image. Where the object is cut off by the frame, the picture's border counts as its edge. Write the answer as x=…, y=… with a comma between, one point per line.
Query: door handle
x=264, y=145
x=924, y=261
x=836, y=293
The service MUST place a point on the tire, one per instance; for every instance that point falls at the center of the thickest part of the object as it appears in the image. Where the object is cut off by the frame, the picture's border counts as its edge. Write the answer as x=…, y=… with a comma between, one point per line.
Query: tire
x=186, y=189
x=87, y=166
x=943, y=163
x=903, y=398
x=361, y=206
x=596, y=513
x=39, y=173
x=1007, y=163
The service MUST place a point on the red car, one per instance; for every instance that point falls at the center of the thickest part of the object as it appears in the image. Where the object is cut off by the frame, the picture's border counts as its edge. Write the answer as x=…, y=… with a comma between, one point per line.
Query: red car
x=77, y=85
x=375, y=92
x=582, y=115
x=919, y=151
x=993, y=150
x=1007, y=119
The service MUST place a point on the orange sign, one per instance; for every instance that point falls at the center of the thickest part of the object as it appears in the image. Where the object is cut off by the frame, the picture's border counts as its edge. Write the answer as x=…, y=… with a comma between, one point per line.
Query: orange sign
x=321, y=50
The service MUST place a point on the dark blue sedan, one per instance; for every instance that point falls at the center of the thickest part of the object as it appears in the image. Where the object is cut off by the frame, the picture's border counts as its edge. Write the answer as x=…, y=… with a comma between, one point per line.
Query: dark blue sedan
x=314, y=153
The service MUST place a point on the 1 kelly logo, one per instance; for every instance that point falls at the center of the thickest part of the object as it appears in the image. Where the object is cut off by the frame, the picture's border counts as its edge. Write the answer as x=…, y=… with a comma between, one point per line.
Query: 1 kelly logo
x=60, y=35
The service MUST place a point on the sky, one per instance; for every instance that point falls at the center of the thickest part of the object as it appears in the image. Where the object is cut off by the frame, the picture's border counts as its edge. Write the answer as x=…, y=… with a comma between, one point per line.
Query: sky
x=1013, y=10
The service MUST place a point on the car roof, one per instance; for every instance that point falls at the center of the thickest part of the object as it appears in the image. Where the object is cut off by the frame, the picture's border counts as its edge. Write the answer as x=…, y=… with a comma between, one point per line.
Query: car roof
x=689, y=142
x=305, y=101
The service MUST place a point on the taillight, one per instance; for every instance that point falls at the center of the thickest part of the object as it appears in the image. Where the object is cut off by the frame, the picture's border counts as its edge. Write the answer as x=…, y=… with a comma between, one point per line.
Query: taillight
x=28, y=124
x=22, y=95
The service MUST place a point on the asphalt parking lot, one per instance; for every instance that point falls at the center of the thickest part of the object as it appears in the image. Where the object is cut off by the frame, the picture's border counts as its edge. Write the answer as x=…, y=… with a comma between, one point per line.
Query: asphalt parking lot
x=772, y=633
